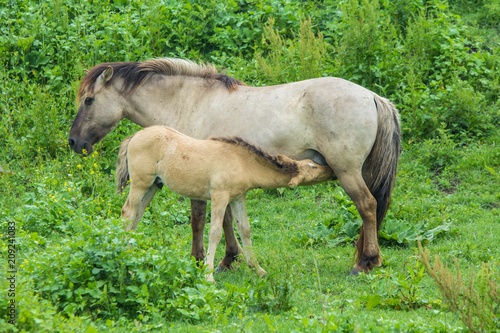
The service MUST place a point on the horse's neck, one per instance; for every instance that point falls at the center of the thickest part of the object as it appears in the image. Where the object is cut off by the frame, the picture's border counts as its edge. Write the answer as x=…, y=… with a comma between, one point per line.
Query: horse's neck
x=172, y=101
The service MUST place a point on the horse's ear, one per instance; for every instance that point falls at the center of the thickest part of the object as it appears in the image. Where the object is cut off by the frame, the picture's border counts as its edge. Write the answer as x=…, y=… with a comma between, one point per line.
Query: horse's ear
x=104, y=77
x=107, y=74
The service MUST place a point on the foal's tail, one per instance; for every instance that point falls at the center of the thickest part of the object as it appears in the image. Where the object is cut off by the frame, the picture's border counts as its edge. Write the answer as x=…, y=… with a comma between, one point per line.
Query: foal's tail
x=122, y=176
x=383, y=159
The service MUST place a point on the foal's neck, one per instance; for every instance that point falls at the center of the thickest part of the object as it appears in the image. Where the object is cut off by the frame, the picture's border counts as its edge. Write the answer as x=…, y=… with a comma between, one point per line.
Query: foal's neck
x=267, y=176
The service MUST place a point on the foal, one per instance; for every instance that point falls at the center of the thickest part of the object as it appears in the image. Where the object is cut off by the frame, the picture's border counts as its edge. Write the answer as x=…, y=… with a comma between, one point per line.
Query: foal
x=219, y=169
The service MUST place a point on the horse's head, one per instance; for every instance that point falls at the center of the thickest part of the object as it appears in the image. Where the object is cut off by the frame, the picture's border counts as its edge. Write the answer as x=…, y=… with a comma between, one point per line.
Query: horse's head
x=99, y=111
x=310, y=173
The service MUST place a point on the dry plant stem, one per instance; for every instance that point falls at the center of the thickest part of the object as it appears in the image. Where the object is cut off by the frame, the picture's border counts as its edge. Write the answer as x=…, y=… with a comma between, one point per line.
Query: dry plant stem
x=477, y=302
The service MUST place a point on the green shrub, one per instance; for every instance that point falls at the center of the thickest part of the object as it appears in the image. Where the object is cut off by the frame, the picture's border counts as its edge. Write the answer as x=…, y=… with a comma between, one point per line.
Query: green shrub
x=491, y=15
x=400, y=291
x=105, y=272
x=290, y=60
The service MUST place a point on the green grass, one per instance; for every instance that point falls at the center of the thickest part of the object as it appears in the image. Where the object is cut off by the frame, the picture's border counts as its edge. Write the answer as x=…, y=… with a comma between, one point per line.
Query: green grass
x=440, y=70
x=321, y=291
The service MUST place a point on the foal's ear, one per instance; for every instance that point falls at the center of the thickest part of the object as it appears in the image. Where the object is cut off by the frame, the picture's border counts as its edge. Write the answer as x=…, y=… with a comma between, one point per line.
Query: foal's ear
x=295, y=181
x=283, y=158
x=105, y=76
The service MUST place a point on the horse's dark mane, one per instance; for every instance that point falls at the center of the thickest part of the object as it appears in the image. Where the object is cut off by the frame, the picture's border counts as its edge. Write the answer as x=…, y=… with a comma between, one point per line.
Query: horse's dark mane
x=135, y=74
x=286, y=167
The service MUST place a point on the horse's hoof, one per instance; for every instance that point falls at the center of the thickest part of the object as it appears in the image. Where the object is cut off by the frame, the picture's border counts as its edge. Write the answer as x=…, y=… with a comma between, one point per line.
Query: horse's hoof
x=221, y=269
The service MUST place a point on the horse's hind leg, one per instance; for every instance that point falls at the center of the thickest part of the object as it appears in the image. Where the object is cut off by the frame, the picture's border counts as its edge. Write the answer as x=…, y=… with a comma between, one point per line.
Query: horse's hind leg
x=138, y=199
x=239, y=209
x=367, y=246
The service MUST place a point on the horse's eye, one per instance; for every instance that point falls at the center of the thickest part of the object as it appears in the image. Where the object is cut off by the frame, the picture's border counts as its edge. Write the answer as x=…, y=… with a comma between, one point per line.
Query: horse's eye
x=88, y=100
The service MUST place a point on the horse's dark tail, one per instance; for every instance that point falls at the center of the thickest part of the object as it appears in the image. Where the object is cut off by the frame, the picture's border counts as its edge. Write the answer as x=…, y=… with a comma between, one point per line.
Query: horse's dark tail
x=122, y=176
x=382, y=162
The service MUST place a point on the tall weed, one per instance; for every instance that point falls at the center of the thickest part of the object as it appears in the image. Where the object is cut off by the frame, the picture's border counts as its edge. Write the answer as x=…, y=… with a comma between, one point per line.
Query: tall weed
x=365, y=46
x=291, y=60
x=477, y=301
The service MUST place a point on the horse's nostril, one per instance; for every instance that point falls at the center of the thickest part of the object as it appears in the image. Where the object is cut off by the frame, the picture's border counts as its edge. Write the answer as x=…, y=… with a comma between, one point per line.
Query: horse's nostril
x=71, y=142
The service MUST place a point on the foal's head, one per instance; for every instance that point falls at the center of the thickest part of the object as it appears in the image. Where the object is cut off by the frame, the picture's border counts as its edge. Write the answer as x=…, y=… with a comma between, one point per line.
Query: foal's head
x=309, y=172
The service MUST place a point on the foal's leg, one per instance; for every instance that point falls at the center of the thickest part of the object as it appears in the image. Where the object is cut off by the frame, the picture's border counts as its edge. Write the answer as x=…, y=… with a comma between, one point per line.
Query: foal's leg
x=219, y=204
x=138, y=199
x=239, y=210
x=233, y=248
x=368, y=249
x=198, y=220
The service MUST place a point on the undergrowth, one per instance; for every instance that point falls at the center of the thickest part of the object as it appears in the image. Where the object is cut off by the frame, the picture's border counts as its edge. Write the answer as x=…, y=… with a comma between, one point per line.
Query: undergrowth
x=477, y=300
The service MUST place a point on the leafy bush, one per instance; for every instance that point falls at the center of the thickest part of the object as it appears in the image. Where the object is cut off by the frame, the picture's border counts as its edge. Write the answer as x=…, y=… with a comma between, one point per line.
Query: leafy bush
x=439, y=152
x=291, y=60
x=365, y=43
x=491, y=15
x=105, y=272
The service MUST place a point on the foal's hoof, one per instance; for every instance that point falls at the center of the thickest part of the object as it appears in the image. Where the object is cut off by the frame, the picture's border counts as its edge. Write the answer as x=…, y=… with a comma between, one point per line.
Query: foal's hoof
x=260, y=272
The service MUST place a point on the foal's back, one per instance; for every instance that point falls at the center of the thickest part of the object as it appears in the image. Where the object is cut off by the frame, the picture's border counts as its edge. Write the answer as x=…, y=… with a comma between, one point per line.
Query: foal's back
x=187, y=166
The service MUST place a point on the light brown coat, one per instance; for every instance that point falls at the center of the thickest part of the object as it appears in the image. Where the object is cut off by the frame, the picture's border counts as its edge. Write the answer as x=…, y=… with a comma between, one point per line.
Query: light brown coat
x=219, y=169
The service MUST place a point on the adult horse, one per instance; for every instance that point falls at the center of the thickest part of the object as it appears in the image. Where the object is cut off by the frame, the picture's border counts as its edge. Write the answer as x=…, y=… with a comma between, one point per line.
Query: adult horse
x=328, y=120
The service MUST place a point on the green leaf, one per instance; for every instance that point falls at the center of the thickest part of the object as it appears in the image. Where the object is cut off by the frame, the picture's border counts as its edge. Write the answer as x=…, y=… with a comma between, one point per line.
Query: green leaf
x=373, y=301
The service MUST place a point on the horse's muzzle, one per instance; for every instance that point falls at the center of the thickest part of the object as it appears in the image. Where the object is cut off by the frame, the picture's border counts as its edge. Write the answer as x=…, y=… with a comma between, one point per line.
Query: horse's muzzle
x=80, y=147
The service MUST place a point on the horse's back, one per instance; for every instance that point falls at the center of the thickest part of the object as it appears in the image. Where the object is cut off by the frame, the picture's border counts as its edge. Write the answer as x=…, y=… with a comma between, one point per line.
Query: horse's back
x=293, y=119
x=317, y=115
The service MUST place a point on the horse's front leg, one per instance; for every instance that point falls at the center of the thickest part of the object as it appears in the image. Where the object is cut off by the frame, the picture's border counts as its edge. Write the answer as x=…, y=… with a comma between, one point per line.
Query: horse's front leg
x=198, y=220
x=233, y=248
